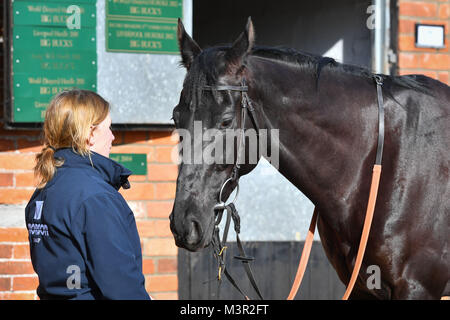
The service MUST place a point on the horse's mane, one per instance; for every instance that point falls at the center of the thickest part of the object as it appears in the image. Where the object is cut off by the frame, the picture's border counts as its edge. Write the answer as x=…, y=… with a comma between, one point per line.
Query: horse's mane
x=315, y=63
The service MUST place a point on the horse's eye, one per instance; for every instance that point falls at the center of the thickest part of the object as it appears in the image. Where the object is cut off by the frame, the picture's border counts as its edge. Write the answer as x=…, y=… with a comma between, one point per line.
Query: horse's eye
x=226, y=123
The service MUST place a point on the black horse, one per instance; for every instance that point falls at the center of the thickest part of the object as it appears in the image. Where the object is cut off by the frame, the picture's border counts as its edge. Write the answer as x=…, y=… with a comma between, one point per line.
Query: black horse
x=327, y=117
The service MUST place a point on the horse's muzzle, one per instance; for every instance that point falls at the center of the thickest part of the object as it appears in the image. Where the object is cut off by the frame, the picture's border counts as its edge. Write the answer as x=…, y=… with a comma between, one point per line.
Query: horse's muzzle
x=188, y=234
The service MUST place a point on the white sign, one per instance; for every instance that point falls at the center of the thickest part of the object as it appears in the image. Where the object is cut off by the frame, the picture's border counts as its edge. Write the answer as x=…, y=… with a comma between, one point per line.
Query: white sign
x=429, y=36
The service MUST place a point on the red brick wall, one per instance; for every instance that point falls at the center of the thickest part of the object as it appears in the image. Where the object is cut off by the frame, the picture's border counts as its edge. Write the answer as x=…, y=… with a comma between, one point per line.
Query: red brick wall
x=17, y=278
x=150, y=197
x=434, y=63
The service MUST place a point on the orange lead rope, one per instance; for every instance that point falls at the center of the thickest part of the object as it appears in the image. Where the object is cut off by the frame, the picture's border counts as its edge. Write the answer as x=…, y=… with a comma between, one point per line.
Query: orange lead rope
x=369, y=212
x=304, y=258
x=366, y=229
x=362, y=244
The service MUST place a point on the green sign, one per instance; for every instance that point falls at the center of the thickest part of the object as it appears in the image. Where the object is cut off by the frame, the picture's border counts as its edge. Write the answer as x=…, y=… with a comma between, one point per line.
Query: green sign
x=35, y=84
x=47, y=13
x=53, y=39
x=54, y=48
x=141, y=36
x=142, y=26
x=135, y=162
x=163, y=9
x=55, y=63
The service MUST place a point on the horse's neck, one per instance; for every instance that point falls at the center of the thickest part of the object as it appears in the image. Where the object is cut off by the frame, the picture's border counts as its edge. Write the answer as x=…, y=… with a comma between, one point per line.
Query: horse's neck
x=324, y=143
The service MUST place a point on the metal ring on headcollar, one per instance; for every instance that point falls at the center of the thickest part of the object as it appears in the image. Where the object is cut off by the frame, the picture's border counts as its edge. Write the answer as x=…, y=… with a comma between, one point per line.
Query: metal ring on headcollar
x=222, y=204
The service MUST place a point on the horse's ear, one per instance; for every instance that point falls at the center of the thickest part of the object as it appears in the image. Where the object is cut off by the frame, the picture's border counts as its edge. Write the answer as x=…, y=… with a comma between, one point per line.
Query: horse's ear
x=243, y=45
x=189, y=49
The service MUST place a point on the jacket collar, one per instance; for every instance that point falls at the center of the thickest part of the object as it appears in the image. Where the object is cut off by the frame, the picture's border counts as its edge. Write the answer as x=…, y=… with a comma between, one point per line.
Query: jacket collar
x=112, y=172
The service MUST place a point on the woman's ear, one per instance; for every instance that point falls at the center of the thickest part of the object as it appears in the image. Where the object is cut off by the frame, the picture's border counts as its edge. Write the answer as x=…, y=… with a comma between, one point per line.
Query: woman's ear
x=91, y=138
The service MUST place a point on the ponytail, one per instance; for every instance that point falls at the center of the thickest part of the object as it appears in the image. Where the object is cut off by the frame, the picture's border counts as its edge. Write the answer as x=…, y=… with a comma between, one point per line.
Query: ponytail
x=46, y=165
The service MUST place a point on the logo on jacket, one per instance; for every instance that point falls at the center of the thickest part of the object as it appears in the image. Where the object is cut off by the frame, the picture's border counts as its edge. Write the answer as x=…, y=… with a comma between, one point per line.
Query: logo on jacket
x=38, y=210
x=38, y=229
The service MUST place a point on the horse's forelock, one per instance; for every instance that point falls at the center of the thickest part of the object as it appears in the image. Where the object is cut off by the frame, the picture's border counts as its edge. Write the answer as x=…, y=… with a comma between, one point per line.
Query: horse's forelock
x=205, y=70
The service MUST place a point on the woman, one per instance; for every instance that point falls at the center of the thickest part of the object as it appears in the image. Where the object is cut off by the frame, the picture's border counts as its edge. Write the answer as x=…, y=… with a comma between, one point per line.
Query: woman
x=83, y=237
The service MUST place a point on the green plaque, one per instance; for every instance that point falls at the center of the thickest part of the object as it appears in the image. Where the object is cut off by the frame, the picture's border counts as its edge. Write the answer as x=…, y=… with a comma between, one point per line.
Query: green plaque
x=32, y=85
x=55, y=63
x=50, y=39
x=142, y=26
x=33, y=92
x=135, y=162
x=164, y=9
x=51, y=53
x=141, y=36
x=53, y=13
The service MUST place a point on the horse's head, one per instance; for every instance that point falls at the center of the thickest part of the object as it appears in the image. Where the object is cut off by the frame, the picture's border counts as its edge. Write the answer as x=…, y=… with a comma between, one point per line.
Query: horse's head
x=205, y=119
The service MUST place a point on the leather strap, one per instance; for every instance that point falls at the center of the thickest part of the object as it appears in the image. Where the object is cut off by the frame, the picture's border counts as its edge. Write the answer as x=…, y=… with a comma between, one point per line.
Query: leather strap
x=220, y=251
x=246, y=101
x=379, y=82
x=243, y=257
x=225, y=88
x=219, y=246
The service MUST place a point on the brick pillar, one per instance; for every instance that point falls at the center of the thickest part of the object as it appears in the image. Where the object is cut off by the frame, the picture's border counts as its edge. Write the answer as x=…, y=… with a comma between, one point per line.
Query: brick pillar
x=434, y=63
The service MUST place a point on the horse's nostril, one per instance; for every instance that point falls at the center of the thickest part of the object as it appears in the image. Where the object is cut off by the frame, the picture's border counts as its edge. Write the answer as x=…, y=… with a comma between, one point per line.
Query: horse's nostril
x=195, y=233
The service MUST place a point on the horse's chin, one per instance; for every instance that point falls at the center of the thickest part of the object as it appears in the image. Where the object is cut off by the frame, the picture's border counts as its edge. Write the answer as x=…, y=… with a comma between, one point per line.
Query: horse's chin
x=194, y=247
x=200, y=247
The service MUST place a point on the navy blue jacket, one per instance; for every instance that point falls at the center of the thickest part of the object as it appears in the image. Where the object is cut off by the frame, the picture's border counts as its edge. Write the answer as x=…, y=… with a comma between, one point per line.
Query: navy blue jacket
x=83, y=238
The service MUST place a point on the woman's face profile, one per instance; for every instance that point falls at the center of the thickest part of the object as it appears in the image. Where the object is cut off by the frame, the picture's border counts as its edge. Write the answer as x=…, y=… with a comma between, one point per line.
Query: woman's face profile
x=102, y=137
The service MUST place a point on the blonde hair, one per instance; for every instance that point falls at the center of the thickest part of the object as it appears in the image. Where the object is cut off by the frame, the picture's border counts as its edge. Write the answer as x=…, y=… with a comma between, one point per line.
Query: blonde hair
x=68, y=122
